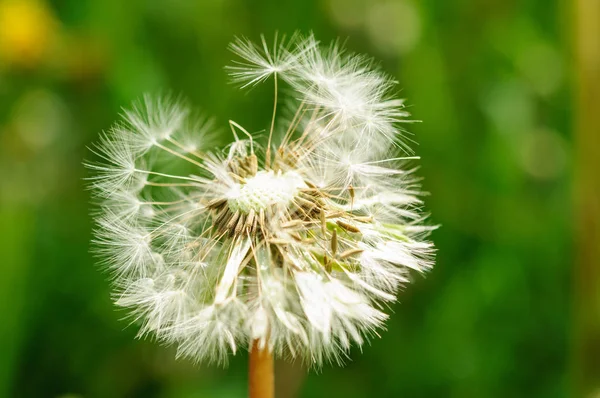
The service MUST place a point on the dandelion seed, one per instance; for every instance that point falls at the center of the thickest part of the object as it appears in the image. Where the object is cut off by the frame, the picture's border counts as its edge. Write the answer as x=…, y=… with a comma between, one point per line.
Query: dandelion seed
x=294, y=242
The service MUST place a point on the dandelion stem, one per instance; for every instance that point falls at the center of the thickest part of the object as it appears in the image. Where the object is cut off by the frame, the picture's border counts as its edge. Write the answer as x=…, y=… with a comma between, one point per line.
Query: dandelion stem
x=261, y=379
x=586, y=272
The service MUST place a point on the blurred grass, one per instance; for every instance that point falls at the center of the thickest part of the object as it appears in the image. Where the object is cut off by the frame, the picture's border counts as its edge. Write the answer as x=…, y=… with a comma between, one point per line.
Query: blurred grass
x=491, y=83
x=18, y=226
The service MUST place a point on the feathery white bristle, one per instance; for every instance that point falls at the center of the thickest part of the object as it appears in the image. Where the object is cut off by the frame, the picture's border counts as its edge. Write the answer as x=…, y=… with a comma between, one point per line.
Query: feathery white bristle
x=293, y=241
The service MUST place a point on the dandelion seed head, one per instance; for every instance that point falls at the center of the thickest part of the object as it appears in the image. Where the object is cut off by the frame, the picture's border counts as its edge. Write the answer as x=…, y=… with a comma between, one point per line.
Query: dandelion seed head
x=263, y=190
x=294, y=241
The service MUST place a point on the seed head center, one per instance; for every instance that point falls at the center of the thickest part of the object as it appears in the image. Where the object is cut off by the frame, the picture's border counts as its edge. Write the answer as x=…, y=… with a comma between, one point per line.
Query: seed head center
x=265, y=189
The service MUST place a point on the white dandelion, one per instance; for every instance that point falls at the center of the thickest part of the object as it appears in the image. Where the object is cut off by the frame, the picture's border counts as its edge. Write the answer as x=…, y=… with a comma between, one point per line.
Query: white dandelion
x=296, y=245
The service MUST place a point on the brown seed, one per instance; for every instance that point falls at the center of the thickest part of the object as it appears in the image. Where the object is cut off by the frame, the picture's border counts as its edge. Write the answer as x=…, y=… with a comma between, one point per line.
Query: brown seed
x=336, y=214
x=221, y=216
x=240, y=225
x=234, y=168
x=302, y=211
x=216, y=203
x=237, y=177
x=233, y=219
x=250, y=219
x=252, y=164
x=346, y=226
x=351, y=252
x=254, y=224
x=334, y=243
x=291, y=224
x=327, y=263
x=309, y=204
x=249, y=165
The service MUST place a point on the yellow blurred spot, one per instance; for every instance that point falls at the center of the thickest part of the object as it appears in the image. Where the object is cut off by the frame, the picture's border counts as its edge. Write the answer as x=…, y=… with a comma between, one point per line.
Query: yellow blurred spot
x=542, y=65
x=27, y=30
x=394, y=27
x=38, y=118
x=595, y=394
x=348, y=13
x=543, y=154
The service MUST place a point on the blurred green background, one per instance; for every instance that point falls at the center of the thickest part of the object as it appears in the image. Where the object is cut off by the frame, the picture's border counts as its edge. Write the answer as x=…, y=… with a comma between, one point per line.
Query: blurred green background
x=491, y=81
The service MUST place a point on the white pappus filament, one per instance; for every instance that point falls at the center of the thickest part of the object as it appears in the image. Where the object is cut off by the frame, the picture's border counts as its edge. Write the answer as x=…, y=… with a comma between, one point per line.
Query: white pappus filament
x=296, y=242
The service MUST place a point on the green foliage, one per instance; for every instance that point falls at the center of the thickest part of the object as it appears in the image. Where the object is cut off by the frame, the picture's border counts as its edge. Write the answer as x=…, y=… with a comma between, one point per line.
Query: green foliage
x=488, y=79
